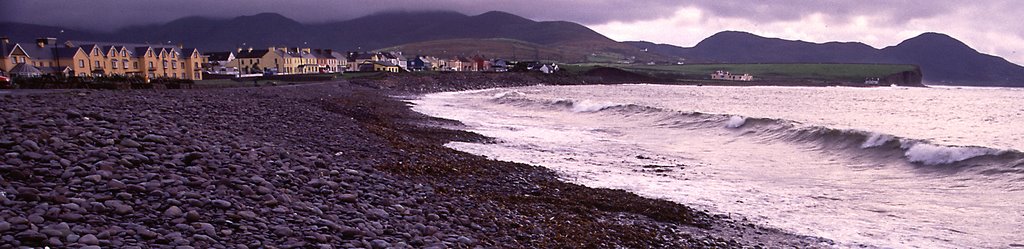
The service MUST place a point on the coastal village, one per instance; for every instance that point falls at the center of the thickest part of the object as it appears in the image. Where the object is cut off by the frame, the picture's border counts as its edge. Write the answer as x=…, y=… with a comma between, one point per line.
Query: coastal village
x=48, y=57
x=53, y=63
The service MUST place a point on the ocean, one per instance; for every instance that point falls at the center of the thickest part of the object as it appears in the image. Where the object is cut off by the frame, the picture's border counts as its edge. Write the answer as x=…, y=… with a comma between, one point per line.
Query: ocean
x=887, y=167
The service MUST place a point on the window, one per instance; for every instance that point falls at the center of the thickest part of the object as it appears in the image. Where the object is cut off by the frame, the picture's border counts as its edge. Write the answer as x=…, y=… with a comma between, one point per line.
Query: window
x=96, y=64
x=174, y=64
x=124, y=64
x=150, y=64
x=165, y=64
x=135, y=65
x=182, y=64
x=21, y=59
x=81, y=63
x=123, y=53
x=197, y=75
x=175, y=75
x=113, y=64
x=197, y=64
x=152, y=75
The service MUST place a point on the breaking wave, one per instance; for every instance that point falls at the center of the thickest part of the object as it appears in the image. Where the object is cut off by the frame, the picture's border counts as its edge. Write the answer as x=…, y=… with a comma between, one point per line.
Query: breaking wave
x=878, y=145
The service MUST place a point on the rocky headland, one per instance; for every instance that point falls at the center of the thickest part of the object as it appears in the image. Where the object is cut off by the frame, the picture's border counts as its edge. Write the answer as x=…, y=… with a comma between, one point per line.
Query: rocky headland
x=330, y=165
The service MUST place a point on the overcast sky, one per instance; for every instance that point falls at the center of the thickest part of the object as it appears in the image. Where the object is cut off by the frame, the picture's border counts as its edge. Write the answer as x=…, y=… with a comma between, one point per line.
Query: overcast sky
x=991, y=26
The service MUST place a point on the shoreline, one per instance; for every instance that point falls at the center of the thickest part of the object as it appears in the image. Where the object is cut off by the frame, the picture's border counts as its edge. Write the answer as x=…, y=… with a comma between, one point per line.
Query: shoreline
x=318, y=165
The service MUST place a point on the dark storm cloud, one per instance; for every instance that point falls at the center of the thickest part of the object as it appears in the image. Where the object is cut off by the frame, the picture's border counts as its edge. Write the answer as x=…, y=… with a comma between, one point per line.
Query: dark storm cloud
x=895, y=11
x=111, y=14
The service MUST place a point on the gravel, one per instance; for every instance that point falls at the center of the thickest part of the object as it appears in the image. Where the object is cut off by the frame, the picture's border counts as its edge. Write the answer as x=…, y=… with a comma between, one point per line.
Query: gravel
x=331, y=165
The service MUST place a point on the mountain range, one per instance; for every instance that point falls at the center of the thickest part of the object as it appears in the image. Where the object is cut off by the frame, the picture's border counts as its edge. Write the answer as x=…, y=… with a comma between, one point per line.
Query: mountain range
x=943, y=59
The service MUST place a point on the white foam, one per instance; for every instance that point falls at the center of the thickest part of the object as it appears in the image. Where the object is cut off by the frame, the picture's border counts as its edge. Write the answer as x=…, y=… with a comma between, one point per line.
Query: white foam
x=875, y=140
x=590, y=106
x=735, y=122
x=930, y=154
x=507, y=94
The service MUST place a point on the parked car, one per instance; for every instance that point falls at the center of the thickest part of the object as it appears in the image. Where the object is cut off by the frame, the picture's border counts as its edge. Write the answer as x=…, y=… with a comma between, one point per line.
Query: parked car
x=5, y=82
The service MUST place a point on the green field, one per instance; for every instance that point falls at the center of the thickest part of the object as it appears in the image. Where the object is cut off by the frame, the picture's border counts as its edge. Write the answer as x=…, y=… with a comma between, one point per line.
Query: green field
x=824, y=72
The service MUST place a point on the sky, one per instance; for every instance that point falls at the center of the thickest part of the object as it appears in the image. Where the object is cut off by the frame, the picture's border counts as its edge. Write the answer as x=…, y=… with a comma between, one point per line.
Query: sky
x=990, y=26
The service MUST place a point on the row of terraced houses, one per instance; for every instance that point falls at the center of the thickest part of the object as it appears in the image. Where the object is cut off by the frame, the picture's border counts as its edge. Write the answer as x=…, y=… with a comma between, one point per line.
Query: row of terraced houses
x=47, y=56
x=275, y=61
x=94, y=59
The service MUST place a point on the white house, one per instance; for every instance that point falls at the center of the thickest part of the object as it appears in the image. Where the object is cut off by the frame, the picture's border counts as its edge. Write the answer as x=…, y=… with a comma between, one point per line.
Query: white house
x=725, y=75
x=549, y=68
x=219, y=61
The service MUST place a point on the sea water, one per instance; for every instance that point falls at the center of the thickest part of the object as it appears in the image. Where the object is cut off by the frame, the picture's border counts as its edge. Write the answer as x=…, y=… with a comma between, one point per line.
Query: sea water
x=863, y=167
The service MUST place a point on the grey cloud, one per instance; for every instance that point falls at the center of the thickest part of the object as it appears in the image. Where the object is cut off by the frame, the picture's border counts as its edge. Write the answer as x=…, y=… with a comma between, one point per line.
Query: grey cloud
x=893, y=11
x=111, y=14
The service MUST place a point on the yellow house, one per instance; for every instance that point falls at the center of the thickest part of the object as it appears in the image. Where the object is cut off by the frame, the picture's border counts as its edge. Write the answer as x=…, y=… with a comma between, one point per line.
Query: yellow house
x=103, y=59
x=13, y=54
x=192, y=63
x=248, y=61
x=379, y=66
x=76, y=58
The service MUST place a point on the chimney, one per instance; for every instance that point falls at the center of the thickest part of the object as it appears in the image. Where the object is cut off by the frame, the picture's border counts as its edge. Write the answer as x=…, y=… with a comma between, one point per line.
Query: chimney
x=181, y=45
x=318, y=51
x=272, y=49
x=239, y=50
x=4, y=40
x=328, y=51
x=304, y=50
x=250, y=49
x=43, y=41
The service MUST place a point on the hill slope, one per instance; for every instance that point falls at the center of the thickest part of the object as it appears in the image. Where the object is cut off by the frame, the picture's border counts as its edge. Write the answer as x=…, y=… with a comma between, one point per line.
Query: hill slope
x=943, y=59
x=365, y=33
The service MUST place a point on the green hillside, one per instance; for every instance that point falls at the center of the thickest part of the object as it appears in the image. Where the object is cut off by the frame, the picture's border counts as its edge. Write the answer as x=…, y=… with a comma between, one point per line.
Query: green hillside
x=823, y=72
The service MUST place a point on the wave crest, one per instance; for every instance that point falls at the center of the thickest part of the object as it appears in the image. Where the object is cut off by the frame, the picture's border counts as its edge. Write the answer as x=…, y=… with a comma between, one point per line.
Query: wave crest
x=913, y=150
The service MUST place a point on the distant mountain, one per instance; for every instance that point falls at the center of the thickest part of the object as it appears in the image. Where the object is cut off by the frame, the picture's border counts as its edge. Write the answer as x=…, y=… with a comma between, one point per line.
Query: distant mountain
x=365, y=33
x=943, y=59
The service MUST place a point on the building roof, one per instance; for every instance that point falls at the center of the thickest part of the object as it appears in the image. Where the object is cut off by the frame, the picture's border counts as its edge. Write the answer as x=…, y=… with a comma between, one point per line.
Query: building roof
x=26, y=69
x=7, y=49
x=189, y=51
x=67, y=52
x=54, y=70
x=337, y=55
x=255, y=53
x=385, y=63
x=38, y=53
x=307, y=55
x=360, y=56
x=141, y=51
x=219, y=56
